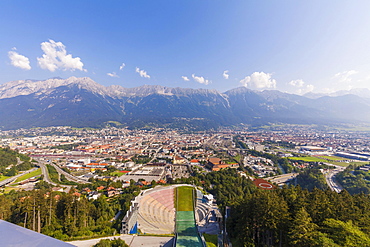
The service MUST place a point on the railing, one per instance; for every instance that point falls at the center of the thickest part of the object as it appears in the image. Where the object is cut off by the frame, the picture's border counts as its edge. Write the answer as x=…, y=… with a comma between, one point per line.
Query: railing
x=194, y=208
x=174, y=241
x=177, y=206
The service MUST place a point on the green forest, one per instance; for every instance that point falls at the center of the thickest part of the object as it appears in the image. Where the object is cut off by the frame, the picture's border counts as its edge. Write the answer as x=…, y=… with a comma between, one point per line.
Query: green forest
x=311, y=178
x=297, y=217
x=291, y=216
x=14, y=161
x=66, y=216
x=354, y=180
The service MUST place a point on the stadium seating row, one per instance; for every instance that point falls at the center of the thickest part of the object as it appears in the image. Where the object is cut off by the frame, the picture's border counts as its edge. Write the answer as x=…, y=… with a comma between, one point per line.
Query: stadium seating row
x=157, y=212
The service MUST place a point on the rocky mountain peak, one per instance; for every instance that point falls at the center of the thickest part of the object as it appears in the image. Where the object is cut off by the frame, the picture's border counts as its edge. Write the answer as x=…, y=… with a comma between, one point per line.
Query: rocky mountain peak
x=27, y=87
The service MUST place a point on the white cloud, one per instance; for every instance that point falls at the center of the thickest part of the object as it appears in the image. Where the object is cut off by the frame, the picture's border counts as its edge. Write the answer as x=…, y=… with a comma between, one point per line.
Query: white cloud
x=113, y=74
x=305, y=89
x=345, y=76
x=296, y=83
x=200, y=79
x=142, y=73
x=225, y=74
x=55, y=57
x=122, y=66
x=18, y=60
x=185, y=78
x=310, y=87
x=259, y=80
x=302, y=87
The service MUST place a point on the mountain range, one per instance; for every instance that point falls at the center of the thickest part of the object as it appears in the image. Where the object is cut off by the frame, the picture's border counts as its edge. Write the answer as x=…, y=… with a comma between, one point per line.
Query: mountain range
x=81, y=102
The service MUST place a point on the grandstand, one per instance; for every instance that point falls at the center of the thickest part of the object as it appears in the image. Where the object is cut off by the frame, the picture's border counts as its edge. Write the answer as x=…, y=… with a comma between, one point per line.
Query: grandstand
x=129, y=222
x=156, y=213
x=153, y=212
x=208, y=217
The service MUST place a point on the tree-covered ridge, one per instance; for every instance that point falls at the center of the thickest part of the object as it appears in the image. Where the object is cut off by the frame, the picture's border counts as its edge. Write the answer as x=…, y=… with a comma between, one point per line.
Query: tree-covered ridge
x=311, y=178
x=295, y=217
x=354, y=180
x=290, y=216
x=14, y=161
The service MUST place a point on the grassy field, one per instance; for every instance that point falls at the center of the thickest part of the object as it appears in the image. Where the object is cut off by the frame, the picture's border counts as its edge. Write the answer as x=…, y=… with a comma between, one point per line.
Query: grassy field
x=354, y=128
x=53, y=174
x=3, y=177
x=328, y=159
x=308, y=159
x=117, y=173
x=238, y=158
x=344, y=164
x=29, y=175
x=185, y=198
x=332, y=158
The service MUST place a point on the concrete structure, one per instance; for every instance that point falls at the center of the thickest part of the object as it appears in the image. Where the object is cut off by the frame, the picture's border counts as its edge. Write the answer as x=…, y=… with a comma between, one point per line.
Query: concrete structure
x=17, y=236
x=129, y=222
x=352, y=156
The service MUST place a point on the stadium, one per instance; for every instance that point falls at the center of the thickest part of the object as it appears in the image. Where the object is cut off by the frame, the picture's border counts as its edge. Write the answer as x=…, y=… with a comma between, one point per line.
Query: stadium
x=179, y=210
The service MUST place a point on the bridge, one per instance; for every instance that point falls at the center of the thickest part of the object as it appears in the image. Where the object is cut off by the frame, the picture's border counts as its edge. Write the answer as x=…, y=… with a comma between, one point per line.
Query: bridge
x=282, y=179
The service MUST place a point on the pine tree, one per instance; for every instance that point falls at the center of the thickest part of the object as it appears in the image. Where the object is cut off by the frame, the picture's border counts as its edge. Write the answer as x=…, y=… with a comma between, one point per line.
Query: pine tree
x=303, y=230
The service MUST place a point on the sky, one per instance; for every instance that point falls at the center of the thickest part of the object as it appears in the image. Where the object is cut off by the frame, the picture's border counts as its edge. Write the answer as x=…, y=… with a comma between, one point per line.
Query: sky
x=292, y=46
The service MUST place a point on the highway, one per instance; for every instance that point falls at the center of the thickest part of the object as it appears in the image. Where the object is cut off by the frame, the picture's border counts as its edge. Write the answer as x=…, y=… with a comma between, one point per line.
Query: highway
x=45, y=173
x=47, y=179
x=282, y=179
x=69, y=176
x=59, y=170
x=330, y=178
x=12, y=179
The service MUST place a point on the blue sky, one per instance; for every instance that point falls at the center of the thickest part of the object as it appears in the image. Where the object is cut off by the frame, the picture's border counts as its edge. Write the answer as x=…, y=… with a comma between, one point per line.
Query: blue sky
x=292, y=46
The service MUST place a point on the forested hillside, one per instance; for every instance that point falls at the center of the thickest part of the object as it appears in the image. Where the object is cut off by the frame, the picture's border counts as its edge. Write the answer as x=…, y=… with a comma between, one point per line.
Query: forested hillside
x=295, y=217
x=65, y=216
x=355, y=180
x=290, y=216
x=11, y=162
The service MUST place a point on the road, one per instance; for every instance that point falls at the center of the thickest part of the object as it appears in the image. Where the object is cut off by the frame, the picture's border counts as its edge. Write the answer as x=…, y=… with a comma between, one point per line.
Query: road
x=330, y=178
x=155, y=155
x=45, y=173
x=47, y=179
x=12, y=179
x=282, y=179
x=69, y=176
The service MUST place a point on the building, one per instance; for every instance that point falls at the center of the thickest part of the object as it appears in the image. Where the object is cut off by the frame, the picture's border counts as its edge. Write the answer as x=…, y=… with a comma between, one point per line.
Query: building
x=177, y=160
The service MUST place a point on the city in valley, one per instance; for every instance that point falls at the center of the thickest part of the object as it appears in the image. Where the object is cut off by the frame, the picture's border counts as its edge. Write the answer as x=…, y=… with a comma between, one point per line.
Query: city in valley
x=136, y=171
x=162, y=155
